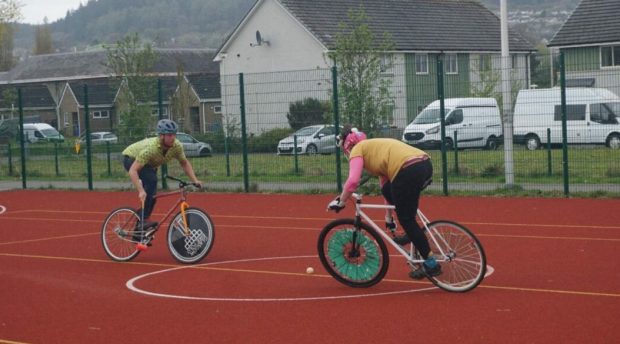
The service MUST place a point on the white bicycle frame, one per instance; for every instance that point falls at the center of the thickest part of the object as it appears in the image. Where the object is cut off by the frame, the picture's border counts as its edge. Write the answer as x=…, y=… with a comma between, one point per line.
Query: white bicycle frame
x=408, y=255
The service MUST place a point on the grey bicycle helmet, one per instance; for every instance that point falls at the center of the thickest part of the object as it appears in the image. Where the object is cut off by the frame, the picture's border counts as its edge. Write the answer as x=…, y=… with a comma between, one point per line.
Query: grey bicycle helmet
x=166, y=126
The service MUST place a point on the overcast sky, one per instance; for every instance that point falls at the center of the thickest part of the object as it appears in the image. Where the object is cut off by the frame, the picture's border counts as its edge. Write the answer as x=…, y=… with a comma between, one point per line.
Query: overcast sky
x=33, y=11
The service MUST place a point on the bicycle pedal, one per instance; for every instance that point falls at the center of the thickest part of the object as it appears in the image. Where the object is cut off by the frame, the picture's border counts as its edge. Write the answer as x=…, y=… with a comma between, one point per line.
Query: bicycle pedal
x=141, y=247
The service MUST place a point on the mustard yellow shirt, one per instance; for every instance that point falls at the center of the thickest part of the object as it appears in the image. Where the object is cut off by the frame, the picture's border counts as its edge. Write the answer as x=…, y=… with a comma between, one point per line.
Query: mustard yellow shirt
x=149, y=152
x=384, y=157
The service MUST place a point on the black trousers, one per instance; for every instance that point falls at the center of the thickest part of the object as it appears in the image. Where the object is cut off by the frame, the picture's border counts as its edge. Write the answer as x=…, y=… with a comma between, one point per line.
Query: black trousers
x=404, y=194
x=148, y=176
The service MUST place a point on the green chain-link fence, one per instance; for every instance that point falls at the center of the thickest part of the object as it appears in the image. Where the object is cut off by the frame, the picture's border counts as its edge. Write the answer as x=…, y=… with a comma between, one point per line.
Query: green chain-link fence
x=275, y=131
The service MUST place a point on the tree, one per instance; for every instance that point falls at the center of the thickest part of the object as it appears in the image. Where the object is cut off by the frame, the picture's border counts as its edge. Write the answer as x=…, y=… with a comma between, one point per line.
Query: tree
x=181, y=102
x=129, y=62
x=7, y=60
x=541, y=66
x=9, y=11
x=363, y=92
x=43, y=39
x=306, y=112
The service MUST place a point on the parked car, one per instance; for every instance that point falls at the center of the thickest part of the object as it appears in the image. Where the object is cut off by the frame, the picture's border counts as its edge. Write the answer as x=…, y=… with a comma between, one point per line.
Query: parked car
x=100, y=137
x=310, y=140
x=194, y=147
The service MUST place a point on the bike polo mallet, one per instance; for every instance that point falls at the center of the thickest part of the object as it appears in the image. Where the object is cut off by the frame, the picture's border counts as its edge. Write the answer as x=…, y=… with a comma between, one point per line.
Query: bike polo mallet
x=141, y=246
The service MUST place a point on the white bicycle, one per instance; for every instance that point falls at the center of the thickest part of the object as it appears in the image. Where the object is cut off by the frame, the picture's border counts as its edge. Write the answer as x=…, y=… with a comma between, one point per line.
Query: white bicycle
x=353, y=251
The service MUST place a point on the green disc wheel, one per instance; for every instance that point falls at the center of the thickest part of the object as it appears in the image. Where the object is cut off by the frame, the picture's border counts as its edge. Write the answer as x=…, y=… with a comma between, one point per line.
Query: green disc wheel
x=117, y=234
x=354, y=256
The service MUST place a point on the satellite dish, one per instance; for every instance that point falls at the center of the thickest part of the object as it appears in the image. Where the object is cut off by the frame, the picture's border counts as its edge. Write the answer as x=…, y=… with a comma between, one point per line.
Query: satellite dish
x=259, y=40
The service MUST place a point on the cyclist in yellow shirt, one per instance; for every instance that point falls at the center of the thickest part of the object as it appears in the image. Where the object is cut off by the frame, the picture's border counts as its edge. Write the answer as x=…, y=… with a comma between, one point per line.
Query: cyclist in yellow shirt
x=141, y=159
x=403, y=172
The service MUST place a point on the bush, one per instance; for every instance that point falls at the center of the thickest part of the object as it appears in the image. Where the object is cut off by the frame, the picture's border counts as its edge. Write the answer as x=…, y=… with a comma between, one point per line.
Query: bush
x=309, y=111
x=267, y=142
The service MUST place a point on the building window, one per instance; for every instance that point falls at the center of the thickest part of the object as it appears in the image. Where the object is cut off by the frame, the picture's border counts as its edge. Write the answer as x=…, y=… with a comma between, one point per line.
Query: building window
x=101, y=114
x=573, y=113
x=610, y=56
x=385, y=63
x=484, y=63
x=421, y=64
x=217, y=109
x=155, y=112
x=451, y=64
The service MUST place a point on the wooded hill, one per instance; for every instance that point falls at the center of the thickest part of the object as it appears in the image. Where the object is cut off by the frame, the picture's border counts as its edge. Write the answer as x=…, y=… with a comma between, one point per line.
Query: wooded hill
x=181, y=24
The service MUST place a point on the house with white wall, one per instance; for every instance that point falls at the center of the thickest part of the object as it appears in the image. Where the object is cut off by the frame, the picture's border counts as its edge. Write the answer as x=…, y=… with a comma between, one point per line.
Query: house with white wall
x=282, y=46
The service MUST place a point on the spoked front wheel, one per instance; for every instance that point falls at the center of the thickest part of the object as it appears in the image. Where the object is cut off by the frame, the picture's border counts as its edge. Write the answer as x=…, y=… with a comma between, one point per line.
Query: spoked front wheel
x=463, y=261
x=354, y=256
x=117, y=234
x=192, y=248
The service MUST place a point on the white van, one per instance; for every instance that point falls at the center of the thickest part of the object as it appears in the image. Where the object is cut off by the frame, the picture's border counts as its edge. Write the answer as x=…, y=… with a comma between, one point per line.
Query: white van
x=476, y=120
x=35, y=132
x=591, y=117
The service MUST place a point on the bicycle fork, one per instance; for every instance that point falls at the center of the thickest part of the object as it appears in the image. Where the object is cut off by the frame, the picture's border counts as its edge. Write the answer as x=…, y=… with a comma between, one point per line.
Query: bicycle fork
x=184, y=206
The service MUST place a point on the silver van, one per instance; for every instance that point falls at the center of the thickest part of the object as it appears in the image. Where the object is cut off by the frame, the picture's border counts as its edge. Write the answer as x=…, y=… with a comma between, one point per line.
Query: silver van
x=476, y=121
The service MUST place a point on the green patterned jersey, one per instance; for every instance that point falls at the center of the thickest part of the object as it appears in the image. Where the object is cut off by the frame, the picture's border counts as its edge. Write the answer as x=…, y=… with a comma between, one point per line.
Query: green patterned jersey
x=149, y=152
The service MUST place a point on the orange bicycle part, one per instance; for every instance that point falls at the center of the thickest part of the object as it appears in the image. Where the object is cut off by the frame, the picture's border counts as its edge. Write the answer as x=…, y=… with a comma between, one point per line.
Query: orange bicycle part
x=184, y=206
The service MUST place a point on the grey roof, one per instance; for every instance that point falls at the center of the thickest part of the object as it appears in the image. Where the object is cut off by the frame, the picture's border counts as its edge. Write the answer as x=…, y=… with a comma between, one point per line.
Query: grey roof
x=169, y=85
x=92, y=64
x=593, y=21
x=33, y=96
x=207, y=86
x=415, y=25
x=101, y=91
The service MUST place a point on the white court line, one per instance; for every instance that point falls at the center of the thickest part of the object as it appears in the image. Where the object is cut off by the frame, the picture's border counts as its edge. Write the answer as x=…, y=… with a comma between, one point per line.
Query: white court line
x=131, y=286
x=2, y=209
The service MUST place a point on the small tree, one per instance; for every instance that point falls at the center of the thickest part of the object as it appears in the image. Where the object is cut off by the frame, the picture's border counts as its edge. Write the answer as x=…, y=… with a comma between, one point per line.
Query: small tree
x=43, y=39
x=181, y=102
x=7, y=60
x=306, y=112
x=364, y=94
x=10, y=10
x=129, y=61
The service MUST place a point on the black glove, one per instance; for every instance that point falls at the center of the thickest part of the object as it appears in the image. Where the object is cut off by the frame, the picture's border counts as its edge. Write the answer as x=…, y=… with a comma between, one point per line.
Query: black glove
x=336, y=205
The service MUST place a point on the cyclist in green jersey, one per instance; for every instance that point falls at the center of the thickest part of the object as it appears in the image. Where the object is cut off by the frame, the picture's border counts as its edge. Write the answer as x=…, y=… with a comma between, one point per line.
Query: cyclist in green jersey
x=141, y=159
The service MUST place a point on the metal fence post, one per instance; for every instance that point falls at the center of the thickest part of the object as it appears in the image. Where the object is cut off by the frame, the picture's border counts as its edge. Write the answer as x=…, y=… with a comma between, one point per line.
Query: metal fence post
x=564, y=129
x=456, y=153
x=10, y=157
x=56, y=159
x=295, y=154
x=22, y=133
x=336, y=126
x=442, y=111
x=160, y=116
x=107, y=149
x=549, y=152
x=244, y=138
x=227, y=154
x=89, y=162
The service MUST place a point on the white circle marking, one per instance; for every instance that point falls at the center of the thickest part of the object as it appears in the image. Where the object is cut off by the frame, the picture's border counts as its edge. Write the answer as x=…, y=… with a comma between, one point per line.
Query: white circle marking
x=131, y=286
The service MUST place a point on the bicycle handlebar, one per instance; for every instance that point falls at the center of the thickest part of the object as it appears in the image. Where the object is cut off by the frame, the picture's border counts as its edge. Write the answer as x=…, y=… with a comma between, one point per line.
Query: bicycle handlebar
x=182, y=183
